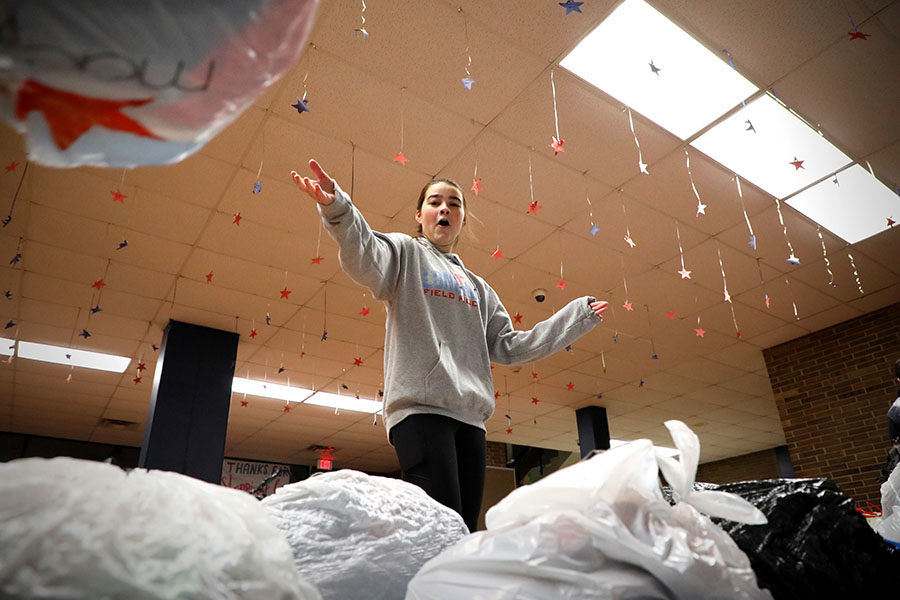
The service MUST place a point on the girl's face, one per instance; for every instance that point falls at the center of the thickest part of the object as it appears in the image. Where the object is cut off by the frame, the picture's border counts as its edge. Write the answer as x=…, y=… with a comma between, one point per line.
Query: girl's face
x=442, y=215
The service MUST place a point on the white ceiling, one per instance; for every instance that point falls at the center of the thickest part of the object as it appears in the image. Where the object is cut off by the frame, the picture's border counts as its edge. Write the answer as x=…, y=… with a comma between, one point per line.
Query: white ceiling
x=178, y=224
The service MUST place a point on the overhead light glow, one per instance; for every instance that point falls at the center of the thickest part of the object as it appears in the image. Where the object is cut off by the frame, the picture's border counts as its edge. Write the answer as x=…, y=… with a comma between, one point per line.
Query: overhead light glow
x=7, y=346
x=853, y=204
x=287, y=393
x=642, y=59
x=768, y=145
x=664, y=450
x=73, y=357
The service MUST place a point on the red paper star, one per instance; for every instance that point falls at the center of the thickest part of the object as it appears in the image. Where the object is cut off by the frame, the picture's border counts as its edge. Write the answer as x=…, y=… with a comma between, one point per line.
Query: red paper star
x=534, y=375
x=533, y=207
x=302, y=353
x=11, y=166
x=98, y=284
x=517, y=318
x=316, y=260
x=476, y=186
x=858, y=35
x=890, y=222
x=798, y=164
x=557, y=146
x=357, y=361
x=287, y=408
x=398, y=157
x=209, y=277
x=364, y=311
x=285, y=293
x=534, y=400
x=244, y=402
x=496, y=395
x=137, y=380
x=700, y=331
x=671, y=314
x=627, y=306
x=561, y=284
x=498, y=253
x=141, y=367
x=70, y=115
x=237, y=219
x=570, y=386
x=118, y=196
x=508, y=430
x=252, y=333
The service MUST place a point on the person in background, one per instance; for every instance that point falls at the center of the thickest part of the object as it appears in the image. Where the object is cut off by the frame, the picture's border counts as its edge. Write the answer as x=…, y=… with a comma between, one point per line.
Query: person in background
x=893, y=418
x=444, y=327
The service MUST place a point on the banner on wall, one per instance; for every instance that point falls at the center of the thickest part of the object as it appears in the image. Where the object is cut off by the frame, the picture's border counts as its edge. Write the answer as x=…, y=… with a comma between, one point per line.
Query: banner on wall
x=247, y=474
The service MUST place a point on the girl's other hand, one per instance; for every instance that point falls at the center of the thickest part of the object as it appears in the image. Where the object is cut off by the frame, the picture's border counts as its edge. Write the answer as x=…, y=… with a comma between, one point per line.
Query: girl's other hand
x=599, y=307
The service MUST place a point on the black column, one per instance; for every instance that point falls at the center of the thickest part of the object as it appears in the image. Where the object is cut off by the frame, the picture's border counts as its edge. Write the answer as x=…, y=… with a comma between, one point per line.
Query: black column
x=593, y=429
x=188, y=417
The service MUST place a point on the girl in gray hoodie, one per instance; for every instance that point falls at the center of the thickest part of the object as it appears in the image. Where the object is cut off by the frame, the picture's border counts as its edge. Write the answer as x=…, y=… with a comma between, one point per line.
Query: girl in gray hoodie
x=445, y=325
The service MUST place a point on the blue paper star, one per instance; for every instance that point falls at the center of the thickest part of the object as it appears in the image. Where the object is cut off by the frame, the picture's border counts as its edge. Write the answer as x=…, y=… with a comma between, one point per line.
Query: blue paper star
x=16, y=258
x=84, y=333
x=793, y=260
x=752, y=242
x=750, y=126
x=655, y=69
x=122, y=244
x=301, y=106
x=6, y=220
x=9, y=324
x=324, y=335
x=569, y=348
x=594, y=229
x=268, y=319
x=381, y=393
x=155, y=347
x=281, y=369
x=96, y=309
x=616, y=339
x=257, y=187
x=8, y=294
x=599, y=396
x=571, y=6
x=641, y=383
x=654, y=356
x=467, y=82
x=344, y=385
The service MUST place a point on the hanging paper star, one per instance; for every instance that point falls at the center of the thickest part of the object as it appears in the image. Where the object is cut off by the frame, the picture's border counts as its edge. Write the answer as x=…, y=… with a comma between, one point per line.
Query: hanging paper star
x=257, y=187
x=285, y=293
x=533, y=207
x=570, y=386
x=141, y=367
x=302, y=353
x=268, y=319
x=301, y=106
x=316, y=260
x=137, y=380
x=571, y=6
x=798, y=164
x=561, y=283
x=209, y=277
x=534, y=400
x=685, y=274
x=890, y=222
x=287, y=408
x=858, y=35
x=768, y=301
x=281, y=369
x=381, y=393
x=627, y=306
x=476, y=186
x=750, y=126
x=6, y=220
x=699, y=331
x=629, y=241
x=245, y=403
x=655, y=69
x=16, y=258
x=98, y=284
x=496, y=395
x=701, y=209
x=498, y=253
x=508, y=430
x=122, y=244
x=11, y=166
x=10, y=324
x=364, y=311
x=252, y=333
x=324, y=334
x=654, y=356
x=641, y=383
x=237, y=219
x=70, y=115
x=467, y=82
x=727, y=296
x=752, y=242
x=8, y=294
x=95, y=309
x=557, y=145
x=85, y=334
x=398, y=157
x=360, y=30
x=155, y=347
x=118, y=196
x=569, y=348
x=534, y=375
x=793, y=260
x=594, y=229
x=671, y=314
x=357, y=361
x=517, y=318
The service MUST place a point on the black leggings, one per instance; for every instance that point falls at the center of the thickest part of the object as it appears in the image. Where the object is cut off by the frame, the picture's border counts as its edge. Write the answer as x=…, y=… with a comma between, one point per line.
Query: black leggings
x=444, y=457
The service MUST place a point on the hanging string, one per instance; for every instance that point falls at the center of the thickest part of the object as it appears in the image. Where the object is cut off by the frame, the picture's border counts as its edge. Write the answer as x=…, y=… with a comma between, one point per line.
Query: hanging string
x=467, y=81
x=631, y=243
x=825, y=256
x=624, y=279
x=594, y=229
x=731, y=62
x=791, y=259
x=701, y=208
x=8, y=217
x=641, y=164
x=855, y=273
x=603, y=361
x=793, y=302
x=724, y=281
x=362, y=27
x=685, y=274
x=653, y=353
x=402, y=103
x=325, y=311
x=752, y=241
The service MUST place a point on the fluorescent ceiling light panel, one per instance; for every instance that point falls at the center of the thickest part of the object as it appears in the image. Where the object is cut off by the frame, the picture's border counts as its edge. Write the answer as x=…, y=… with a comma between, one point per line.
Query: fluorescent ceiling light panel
x=7, y=346
x=73, y=357
x=693, y=87
x=764, y=155
x=854, y=208
x=295, y=394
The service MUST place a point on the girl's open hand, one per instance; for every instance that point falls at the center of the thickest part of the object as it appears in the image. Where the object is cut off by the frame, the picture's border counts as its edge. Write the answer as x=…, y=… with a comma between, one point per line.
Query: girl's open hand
x=321, y=190
x=599, y=307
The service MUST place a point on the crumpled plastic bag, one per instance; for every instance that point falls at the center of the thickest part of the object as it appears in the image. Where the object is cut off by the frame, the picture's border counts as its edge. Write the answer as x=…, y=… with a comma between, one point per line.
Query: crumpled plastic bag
x=80, y=529
x=601, y=529
x=124, y=83
x=889, y=527
x=359, y=536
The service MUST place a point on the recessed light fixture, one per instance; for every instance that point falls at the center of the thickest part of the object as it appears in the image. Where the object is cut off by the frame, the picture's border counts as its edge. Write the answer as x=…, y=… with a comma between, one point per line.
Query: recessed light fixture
x=645, y=61
x=266, y=389
x=71, y=356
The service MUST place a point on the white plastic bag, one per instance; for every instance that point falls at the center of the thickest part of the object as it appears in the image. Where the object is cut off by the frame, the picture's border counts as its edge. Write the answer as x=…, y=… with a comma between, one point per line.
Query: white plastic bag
x=889, y=526
x=600, y=529
x=80, y=529
x=358, y=536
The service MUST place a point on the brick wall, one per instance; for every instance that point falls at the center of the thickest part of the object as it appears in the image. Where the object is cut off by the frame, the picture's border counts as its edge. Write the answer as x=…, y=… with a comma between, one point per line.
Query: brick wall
x=496, y=454
x=757, y=465
x=833, y=388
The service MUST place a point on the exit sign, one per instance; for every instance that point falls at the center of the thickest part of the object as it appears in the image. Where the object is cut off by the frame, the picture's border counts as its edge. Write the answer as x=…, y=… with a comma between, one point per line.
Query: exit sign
x=325, y=464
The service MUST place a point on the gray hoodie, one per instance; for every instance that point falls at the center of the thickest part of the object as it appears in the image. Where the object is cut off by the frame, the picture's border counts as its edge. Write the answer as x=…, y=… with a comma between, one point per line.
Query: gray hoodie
x=444, y=323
